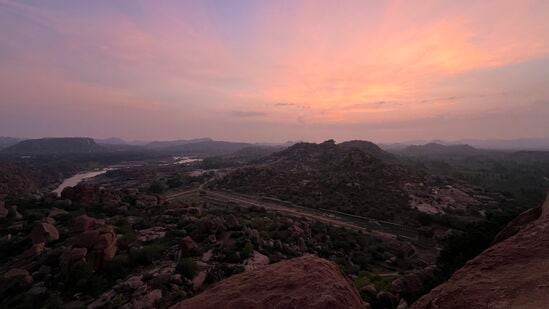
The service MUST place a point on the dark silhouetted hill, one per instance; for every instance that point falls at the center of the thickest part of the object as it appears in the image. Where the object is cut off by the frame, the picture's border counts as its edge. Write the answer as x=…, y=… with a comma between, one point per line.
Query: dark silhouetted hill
x=64, y=145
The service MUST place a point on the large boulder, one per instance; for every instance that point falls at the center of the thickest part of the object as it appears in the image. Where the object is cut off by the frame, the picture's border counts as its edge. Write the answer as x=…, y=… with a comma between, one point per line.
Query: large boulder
x=518, y=223
x=513, y=273
x=16, y=276
x=44, y=232
x=98, y=239
x=232, y=222
x=71, y=256
x=83, y=194
x=57, y=212
x=305, y=282
x=83, y=223
x=187, y=247
x=415, y=283
x=150, y=234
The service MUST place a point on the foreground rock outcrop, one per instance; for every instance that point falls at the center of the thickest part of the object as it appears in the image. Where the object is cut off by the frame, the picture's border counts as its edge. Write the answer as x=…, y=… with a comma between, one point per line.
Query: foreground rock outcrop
x=304, y=282
x=513, y=273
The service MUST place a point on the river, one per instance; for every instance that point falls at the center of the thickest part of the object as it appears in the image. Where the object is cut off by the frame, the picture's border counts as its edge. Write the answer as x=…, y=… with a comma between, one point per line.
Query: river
x=76, y=179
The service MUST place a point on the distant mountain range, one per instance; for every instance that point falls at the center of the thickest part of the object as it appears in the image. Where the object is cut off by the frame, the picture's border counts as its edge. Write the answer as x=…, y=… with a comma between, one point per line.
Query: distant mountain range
x=78, y=145
x=488, y=144
x=210, y=147
x=431, y=149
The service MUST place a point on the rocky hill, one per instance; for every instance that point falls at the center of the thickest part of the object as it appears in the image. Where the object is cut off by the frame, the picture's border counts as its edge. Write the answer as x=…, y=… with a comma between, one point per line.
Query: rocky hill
x=512, y=273
x=327, y=175
x=354, y=177
x=370, y=148
x=304, y=282
x=48, y=146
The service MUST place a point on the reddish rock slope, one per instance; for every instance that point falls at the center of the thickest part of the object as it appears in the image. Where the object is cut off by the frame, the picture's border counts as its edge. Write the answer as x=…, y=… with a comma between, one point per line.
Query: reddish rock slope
x=513, y=273
x=304, y=282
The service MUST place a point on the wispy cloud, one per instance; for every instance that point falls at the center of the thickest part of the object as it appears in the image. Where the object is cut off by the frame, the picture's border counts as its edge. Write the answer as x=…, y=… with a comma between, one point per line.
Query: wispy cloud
x=248, y=114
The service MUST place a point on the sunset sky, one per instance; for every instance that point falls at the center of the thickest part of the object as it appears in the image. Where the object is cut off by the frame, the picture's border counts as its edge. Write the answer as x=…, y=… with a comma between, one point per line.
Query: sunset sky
x=275, y=70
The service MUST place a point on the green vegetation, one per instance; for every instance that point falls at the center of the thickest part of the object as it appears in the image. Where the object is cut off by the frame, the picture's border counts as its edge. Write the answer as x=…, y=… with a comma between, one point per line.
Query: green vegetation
x=82, y=278
x=187, y=267
x=157, y=187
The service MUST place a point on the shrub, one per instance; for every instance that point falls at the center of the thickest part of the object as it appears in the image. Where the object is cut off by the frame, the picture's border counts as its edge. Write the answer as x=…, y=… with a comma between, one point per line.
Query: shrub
x=82, y=278
x=147, y=254
x=247, y=250
x=157, y=187
x=118, y=267
x=187, y=267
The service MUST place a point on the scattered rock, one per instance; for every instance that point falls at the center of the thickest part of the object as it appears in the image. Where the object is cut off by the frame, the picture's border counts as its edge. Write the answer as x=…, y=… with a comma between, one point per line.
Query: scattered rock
x=71, y=256
x=3, y=210
x=83, y=194
x=87, y=239
x=133, y=283
x=402, y=304
x=414, y=284
x=38, y=291
x=18, y=276
x=369, y=289
x=150, y=234
x=35, y=251
x=49, y=220
x=148, y=301
x=253, y=234
x=56, y=212
x=207, y=256
x=232, y=222
x=256, y=261
x=15, y=213
x=99, y=239
x=83, y=223
x=387, y=299
x=195, y=211
x=63, y=203
x=187, y=247
x=198, y=280
x=44, y=232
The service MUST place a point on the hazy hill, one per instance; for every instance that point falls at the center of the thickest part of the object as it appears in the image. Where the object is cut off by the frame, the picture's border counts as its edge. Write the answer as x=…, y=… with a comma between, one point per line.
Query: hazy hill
x=65, y=145
x=255, y=151
x=206, y=148
x=110, y=141
x=510, y=144
x=174, y=143
x=438, y=149
x=8, y=141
